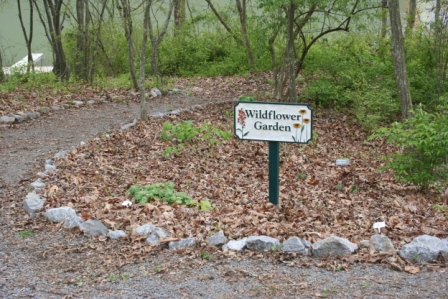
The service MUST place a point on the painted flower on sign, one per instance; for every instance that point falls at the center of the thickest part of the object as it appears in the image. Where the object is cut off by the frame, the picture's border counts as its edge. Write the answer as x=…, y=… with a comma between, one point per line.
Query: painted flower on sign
x=242, y=121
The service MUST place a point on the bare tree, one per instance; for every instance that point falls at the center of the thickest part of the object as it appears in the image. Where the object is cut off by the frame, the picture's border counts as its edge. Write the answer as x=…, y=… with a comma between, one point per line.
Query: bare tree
x=399, y=59
x=2, y=74
x=82, y=43
x=411, y=18
x=383, y=18
x=28, y=37
x=52, y=19
x=146, y=21
x=125, y=13
x=179, y=15
x=156, y=35
x=242, y=40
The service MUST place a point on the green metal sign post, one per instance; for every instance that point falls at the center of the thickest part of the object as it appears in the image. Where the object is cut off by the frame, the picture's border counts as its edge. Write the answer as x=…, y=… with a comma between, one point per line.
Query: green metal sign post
x=274, y=123
x=274, y=171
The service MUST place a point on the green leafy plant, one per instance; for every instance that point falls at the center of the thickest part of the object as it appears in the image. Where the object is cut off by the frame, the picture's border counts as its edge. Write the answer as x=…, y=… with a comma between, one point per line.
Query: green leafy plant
x=161, y=191
x=277, y=247
x=206, y=256
x=186, y=132
x=423, y=140
x=26, y=234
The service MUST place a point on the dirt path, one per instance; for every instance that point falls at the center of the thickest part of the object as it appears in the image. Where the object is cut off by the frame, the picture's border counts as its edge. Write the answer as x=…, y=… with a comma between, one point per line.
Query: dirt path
x=59, y=263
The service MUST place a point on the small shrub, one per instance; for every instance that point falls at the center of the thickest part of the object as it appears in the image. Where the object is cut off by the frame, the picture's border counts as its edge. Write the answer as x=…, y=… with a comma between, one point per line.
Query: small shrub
x=162, y=191
x=423, y=140
x=185, y=132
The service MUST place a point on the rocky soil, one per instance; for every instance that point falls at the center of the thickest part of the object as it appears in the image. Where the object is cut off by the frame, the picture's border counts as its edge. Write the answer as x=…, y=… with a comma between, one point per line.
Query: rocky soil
x=54, y=262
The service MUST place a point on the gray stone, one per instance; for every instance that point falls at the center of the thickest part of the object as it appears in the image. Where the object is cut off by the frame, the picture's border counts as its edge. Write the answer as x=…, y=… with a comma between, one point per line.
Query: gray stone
x=78, y=103
x=60, y=154
x=261, y=243
x=42, y=175
x=333, y=246
x=364, y=244
x=33, y=202
x=381, y=243
x=116, y=234
x=130, y=125
x=161, y=233
x=176, y=112
x=43, y=110
x=236, y=245
x=91, y=102
x=296, y=244
x=156, y=92
x=153, y=239
x=50, y=168
x=422, y=249
x=7, y=119
x=158, y=114
x=56, y=108
x=22, y=114
x=217, y=239
x=443, y=246
x=64, y=214
x=19, y=118
x=38, y=184
x=32, y=115
x=145, y=230
x=182, y=243
x=93, y=228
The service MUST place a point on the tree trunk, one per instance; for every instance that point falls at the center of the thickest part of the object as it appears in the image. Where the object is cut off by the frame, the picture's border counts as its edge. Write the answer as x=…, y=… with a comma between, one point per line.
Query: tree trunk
x=399, y=59
x=82, y=45
x=383, y=18
x=2, y=74
x=290, y=54
x=156, y=39
x=244, y=41
x=146, y=20
x=125, y=12
x=28, y=38
x=412, y=14
x=437, y=11
x=53, y=31
x=179, y=15
x=241, y=6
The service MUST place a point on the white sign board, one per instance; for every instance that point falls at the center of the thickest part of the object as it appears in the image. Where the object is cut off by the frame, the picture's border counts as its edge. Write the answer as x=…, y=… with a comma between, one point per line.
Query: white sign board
x=273, y=122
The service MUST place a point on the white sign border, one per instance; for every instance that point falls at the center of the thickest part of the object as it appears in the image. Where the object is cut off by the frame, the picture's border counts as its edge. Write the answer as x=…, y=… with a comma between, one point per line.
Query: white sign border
x=298, y=106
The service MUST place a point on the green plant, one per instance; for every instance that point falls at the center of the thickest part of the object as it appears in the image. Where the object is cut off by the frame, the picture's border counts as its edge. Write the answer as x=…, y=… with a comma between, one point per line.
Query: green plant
x=26, y=234
x=157, y=269
x=277, y=247
x=423, y=140
x=205, y=205
x=302, y=176
x=162, y=191
x=206, y=256
x=112, y=277
x=186, y=132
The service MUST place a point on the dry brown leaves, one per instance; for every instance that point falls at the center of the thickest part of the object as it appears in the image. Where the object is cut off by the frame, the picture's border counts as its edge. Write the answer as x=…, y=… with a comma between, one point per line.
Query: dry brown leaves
x=317, y=198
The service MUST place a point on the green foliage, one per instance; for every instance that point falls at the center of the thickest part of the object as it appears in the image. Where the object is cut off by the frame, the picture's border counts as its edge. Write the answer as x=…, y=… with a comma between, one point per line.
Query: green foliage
x=182, y=133
x=161, y=191
x=374, y=106
x=424, y=143
x=206, y=256
x=26, y=234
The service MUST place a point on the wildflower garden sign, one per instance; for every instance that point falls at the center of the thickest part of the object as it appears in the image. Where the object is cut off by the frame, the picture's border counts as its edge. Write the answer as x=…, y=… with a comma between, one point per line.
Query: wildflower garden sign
x=275, y=123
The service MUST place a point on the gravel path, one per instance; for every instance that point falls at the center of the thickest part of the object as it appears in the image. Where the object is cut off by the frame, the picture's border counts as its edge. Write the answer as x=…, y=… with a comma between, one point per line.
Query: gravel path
x=59, y=263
